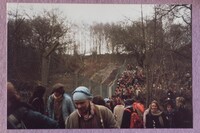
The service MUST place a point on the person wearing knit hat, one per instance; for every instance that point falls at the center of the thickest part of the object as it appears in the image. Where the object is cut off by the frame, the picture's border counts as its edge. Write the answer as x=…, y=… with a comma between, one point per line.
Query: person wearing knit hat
x=88, y=114
x=82, y=93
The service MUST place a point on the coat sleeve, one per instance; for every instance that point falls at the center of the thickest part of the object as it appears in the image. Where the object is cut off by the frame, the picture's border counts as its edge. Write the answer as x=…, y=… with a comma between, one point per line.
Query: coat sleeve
x=67, y=123
x=68, y=107
x=71, y=106
x=36, y=120
x=72, y=121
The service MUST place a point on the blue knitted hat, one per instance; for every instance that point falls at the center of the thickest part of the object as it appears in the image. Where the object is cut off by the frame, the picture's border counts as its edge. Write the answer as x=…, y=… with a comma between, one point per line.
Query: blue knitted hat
x=81, y=93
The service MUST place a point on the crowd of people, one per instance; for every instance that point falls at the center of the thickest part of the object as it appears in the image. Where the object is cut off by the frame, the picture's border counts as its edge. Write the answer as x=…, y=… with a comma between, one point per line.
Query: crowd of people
x=131, y=83
x=126, y=108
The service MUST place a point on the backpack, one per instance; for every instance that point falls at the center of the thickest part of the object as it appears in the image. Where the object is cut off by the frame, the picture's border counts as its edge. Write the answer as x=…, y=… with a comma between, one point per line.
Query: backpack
x=136, y=118
x=15, y=121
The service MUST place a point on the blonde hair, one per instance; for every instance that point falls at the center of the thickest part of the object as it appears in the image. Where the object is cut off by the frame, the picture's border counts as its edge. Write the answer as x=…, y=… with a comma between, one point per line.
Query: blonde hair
x=180, y=101
x=157, y=104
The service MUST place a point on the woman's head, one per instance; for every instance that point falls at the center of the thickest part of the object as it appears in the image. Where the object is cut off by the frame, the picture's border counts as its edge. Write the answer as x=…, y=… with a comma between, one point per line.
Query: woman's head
x=154, y=106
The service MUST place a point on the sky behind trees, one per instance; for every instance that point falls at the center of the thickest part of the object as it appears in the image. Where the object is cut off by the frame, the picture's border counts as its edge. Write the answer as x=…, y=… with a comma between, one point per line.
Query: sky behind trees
x=83, y=16
x=88, y=13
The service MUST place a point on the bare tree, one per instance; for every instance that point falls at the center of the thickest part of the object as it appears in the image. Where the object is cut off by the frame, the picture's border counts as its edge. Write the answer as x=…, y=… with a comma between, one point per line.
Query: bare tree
x=43, y=33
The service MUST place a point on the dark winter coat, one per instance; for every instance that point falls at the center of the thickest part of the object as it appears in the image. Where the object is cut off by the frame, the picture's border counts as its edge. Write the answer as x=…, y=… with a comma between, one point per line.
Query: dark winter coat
x=183, y=118
x=156, y=120
x=38, y=104
x=170, y=116
x=30, y=118
x=126, y=118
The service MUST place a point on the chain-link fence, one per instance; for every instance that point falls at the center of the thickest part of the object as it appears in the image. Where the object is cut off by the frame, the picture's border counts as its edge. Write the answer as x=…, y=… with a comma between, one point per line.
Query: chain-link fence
x=95, y=87
x=98, y=88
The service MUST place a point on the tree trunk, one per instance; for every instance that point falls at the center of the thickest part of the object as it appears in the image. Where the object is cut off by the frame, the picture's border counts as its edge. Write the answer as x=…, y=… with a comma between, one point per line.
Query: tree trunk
x=45, y=70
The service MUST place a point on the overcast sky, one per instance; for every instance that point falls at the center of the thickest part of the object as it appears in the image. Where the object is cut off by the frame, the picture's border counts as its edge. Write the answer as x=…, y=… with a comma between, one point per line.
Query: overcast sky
x=89, y=13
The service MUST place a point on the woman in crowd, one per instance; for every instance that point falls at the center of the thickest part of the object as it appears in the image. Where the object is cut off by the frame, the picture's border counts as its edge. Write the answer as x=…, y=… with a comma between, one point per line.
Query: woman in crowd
x=154, y=117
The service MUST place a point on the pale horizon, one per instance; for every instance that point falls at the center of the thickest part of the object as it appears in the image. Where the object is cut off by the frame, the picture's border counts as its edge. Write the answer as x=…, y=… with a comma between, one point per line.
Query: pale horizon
x=89, y=13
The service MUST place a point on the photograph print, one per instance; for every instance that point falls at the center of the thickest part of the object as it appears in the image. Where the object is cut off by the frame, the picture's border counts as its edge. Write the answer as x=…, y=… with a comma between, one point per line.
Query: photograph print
x=91, y=66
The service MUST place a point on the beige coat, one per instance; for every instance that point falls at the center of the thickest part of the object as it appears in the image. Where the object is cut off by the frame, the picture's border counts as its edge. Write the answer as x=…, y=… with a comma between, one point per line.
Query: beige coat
x=118, y=113
x=106, y=118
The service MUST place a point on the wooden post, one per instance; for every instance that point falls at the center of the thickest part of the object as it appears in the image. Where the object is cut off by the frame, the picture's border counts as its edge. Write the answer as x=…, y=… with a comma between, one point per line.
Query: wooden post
x=45, y=64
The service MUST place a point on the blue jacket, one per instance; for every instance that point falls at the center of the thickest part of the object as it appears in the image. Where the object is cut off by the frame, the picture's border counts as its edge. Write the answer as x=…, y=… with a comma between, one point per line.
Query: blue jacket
x=67, y=106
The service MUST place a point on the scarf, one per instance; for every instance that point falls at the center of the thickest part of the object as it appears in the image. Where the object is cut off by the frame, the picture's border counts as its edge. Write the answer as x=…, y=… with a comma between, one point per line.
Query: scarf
x=158, y=113
x=58, y=107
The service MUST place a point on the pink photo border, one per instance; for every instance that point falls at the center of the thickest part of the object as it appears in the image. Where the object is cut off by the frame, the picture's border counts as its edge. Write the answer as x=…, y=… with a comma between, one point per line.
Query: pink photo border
x=195, y=66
